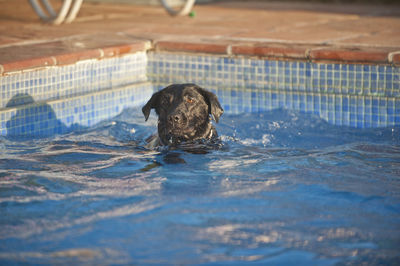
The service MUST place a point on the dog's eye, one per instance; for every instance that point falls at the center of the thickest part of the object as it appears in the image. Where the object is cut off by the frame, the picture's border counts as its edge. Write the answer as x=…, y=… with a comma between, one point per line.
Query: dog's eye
x=189, y=100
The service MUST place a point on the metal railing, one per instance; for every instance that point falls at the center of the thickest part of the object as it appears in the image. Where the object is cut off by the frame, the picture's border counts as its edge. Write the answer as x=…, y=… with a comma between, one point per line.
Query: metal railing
x=184, y=10
x=70, y=8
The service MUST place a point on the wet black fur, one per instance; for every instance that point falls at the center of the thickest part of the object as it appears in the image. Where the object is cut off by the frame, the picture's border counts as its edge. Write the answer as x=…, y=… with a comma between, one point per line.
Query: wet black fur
x=184, y=112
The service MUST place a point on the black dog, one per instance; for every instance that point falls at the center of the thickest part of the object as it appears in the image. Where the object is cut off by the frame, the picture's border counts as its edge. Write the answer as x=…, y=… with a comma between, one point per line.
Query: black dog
x=184, y=114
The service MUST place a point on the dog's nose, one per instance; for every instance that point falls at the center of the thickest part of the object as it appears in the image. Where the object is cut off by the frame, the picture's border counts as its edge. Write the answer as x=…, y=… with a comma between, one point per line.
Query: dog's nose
x=175, y=118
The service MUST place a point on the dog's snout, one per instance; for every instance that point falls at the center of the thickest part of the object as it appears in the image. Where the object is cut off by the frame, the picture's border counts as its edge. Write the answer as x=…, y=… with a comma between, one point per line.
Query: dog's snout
x=176, y=118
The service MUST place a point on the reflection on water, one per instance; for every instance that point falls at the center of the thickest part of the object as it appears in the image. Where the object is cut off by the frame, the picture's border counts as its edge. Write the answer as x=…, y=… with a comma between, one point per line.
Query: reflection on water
x=285, y=189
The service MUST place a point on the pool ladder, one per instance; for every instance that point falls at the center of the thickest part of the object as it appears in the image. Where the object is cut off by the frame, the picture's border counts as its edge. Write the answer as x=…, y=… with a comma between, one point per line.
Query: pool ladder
x=70, y=8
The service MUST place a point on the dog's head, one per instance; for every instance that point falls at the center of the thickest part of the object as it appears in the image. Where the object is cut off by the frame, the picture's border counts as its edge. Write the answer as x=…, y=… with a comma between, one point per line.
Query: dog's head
x=183, y=112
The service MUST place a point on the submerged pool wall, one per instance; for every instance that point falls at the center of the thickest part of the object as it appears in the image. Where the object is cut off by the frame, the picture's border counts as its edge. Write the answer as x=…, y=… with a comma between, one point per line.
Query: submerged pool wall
x=353, y=95
x=59, y=99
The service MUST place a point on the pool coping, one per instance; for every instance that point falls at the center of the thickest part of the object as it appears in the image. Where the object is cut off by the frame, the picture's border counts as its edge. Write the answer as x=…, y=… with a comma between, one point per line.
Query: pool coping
x=268, y=50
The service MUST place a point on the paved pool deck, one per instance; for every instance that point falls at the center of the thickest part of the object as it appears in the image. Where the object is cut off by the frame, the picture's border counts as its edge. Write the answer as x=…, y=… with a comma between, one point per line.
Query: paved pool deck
x=350, y=33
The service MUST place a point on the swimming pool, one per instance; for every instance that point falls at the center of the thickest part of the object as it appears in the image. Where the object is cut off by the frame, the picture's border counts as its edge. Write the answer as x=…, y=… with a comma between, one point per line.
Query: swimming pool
x=306, y=175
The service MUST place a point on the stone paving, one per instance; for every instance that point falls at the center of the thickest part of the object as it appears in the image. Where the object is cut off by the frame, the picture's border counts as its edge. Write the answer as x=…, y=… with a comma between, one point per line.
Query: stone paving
x=317, y=32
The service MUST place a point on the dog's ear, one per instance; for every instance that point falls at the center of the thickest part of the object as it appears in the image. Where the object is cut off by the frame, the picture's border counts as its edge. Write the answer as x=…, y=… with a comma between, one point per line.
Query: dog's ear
x=214, y=107
x=152, y=103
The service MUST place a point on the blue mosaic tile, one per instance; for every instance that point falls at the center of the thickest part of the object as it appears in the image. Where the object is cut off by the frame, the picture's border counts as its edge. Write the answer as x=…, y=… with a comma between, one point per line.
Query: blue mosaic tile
x=288, y=78
x=67, y=81
x=55, y=117
x=343, y=94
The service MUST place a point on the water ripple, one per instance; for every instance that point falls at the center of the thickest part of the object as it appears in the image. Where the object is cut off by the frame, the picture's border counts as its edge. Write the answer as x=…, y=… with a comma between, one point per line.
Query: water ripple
x=282, y=187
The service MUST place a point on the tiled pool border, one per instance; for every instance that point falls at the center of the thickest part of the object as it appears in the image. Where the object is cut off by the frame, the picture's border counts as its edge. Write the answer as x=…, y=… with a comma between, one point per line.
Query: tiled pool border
x=84, y=77
x=353, y=95
x=47, y=118
x=82, y=94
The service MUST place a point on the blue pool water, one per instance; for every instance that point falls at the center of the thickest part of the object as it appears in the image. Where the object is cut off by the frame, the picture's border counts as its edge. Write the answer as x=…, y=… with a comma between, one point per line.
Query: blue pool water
x=284, y=188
